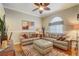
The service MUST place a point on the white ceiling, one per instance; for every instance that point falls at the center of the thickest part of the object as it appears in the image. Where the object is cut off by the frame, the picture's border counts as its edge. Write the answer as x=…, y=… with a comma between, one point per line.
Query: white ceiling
x=28, y=7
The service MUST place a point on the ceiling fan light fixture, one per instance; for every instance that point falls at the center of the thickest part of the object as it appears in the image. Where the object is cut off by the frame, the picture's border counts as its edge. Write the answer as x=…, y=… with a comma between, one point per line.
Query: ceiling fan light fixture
x=41, y=8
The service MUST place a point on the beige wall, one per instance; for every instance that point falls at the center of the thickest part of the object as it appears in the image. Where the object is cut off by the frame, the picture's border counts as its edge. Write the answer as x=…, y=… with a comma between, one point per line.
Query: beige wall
x=67, y=15
x=14, y=23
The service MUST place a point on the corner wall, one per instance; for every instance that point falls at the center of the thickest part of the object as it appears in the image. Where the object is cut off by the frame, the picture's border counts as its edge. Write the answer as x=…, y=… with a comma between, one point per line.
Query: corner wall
x=14, y=23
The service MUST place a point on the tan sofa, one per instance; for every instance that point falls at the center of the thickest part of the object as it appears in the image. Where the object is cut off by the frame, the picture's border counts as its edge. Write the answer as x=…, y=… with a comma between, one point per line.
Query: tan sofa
x=27, y=38
x=60, y=44
x=27, y=41
x=65, y=44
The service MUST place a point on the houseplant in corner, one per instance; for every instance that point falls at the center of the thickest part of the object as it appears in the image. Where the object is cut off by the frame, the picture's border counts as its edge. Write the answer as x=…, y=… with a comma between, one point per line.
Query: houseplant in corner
x=1, y=30
x=3, y=34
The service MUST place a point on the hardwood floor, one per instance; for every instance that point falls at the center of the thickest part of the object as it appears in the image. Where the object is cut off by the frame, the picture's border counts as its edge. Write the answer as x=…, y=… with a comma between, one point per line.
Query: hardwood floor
x=18, y=50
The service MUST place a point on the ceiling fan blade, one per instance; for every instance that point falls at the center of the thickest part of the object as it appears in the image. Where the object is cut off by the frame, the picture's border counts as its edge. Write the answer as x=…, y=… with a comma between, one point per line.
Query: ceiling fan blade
x=35, y=9
x=46, y=8
x=37, y=4
x=46, y=4
x=40, y=11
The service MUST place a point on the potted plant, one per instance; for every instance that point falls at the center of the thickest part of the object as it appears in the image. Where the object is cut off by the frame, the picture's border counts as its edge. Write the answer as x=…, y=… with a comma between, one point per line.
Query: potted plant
x=2, y=30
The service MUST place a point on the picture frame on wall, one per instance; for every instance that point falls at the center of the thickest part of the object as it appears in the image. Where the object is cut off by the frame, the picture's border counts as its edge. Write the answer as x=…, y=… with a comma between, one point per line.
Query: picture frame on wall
x=27, y=25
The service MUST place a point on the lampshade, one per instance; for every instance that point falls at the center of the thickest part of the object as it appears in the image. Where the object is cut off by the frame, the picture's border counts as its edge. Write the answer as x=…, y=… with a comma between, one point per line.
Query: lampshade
x=75, y=26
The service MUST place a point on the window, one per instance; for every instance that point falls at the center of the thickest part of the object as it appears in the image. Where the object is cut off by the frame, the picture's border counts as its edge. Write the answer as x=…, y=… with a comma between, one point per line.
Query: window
x=56, y=25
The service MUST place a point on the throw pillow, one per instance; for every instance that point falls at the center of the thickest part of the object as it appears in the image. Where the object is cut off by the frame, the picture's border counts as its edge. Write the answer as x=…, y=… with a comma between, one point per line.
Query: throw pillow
x=59, y=38
x=63, y=38
x=25, y=36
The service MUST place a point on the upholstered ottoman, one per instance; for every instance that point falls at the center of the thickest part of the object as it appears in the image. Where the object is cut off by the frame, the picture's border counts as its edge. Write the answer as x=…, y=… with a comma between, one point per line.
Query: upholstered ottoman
x=43, y=46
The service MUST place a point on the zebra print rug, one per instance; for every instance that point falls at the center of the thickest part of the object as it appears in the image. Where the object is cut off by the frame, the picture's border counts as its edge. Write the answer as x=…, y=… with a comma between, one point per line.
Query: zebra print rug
x=30, y=51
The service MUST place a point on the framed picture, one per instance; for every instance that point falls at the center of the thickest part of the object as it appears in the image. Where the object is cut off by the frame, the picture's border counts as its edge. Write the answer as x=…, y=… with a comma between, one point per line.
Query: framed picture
x=27, y=25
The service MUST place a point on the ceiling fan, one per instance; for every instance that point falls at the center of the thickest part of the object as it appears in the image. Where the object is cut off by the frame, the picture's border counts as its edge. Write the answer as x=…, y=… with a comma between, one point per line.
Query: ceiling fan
x=41, y=7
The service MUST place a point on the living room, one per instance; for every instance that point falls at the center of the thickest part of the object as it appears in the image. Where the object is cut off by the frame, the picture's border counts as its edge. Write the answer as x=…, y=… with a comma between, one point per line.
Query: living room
x=32, y=32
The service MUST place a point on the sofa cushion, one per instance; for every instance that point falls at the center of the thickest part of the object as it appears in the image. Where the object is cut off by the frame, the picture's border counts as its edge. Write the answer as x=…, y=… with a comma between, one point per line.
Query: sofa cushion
x=29, y=39
x=61, y=42
x=50, y=39
x=60, y=46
